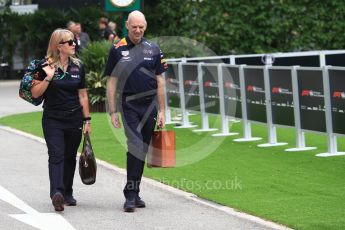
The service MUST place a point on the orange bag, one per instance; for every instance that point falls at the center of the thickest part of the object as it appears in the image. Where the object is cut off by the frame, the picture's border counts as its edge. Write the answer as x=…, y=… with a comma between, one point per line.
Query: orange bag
x=162, y=152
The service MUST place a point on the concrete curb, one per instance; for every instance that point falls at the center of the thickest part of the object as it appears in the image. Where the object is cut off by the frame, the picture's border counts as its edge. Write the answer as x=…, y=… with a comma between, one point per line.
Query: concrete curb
x=161, y=186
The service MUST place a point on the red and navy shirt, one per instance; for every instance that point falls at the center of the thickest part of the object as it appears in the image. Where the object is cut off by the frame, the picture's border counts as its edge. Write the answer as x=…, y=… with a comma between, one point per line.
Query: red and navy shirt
x=136, y=66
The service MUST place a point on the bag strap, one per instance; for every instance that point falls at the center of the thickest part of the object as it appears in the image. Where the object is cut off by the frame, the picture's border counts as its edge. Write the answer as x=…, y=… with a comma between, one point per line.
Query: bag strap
x=84, y=143
x=87, y=139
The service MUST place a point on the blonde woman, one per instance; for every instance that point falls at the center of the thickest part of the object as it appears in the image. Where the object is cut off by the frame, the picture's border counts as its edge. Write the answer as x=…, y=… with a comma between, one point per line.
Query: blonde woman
x=65, y=112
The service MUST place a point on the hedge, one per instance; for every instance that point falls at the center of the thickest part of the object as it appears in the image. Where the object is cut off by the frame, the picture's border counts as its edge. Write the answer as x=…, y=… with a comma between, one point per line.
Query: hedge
x=245, y=26
x=29, y=34
x=225, y=26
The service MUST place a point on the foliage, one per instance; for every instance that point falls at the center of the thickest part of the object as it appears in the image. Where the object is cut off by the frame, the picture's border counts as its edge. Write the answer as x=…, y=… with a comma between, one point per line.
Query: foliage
x=96, y=84
x=9, y=33
x=94, y=57
x=243, y=26
x=224, y=26
x=29, y=33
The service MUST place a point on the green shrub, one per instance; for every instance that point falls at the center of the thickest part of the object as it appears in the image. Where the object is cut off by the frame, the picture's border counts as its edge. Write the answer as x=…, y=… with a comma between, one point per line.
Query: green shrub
x=30, y=33
x=96, y=84
x=243, y=26
x=95, y=54
x=224, y=26
x=94, y=57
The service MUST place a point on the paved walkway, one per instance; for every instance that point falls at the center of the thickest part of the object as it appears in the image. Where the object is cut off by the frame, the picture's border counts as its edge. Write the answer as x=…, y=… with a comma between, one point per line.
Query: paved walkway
x=24, y=192
x=10, y=103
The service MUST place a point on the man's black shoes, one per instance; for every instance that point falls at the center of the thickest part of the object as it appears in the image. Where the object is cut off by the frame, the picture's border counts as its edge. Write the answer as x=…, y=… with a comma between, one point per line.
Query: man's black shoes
x=70, y=201
x=139, y=203
x=58, y=202
x=129, y=205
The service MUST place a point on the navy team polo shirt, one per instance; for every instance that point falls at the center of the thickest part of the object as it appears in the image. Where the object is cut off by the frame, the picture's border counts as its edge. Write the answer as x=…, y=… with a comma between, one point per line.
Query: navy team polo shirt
x=62, y=93
x=136, y=66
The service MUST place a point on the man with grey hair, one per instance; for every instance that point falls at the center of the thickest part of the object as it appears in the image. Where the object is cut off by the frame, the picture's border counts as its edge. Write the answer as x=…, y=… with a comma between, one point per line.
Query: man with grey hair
x=80, y=38
x=134, y=71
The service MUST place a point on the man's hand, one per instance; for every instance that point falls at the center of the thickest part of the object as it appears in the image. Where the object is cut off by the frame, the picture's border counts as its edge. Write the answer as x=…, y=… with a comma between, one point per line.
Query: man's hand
x=115, y=120
x=161, y=120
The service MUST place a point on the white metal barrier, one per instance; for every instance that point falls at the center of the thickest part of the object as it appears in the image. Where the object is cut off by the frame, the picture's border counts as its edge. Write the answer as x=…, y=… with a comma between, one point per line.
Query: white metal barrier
x=224, y=118
x=204, y=116
x=331, y=137
x=247, y=130
x=294, y=72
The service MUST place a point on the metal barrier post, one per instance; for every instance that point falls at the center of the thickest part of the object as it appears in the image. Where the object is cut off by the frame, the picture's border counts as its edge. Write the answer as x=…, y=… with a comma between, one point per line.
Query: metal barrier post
x=168, y=119
x=225, y=120
x=185, y=120
x=300, y=140
x=247, y=130
x=204, y=116
x=272, y=131
x=332, y=139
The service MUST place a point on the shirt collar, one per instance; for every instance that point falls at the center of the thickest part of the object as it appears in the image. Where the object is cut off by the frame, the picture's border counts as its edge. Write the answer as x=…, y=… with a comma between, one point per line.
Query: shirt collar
x=70, y=63
x=130, y=43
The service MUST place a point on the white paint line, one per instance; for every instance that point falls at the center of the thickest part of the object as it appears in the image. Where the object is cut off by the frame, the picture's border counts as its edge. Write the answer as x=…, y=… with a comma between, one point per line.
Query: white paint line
x=172, y=190
x=43, y=221
x=11, y=199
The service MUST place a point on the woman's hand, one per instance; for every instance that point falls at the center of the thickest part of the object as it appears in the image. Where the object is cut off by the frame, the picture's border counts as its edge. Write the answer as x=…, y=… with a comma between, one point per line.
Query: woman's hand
x=40, y=86
x=50, y=70
x=87, y=128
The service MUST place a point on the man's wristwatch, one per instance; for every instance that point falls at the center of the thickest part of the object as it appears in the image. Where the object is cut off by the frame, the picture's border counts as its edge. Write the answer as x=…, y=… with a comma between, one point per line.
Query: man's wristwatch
x=87, y=120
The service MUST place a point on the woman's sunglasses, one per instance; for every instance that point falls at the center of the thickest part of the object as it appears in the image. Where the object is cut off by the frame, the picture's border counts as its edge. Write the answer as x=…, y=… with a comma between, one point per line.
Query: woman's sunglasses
x=70, y=42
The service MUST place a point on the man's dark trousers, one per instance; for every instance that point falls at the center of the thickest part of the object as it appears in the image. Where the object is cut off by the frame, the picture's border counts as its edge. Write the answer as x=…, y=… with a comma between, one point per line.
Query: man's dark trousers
x=139, y=120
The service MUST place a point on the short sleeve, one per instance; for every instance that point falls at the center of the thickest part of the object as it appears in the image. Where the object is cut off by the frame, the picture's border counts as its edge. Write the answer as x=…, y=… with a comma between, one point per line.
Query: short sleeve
x=111, y=62
x=82, y=84
x=161, y=65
